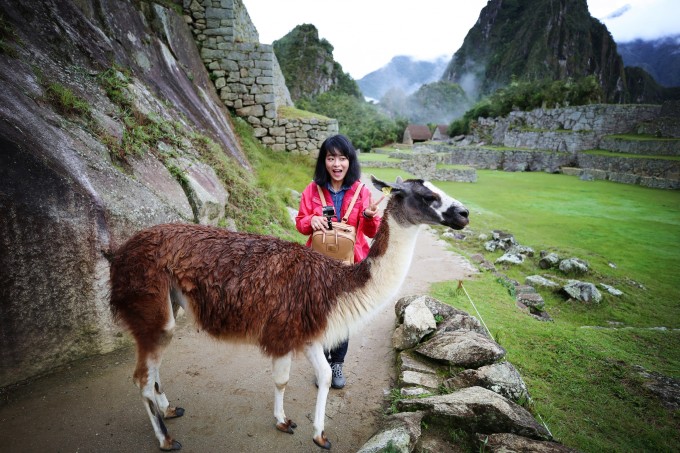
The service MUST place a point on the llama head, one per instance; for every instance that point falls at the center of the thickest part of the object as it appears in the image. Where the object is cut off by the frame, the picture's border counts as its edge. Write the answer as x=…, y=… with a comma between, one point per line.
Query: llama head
x=421, y=202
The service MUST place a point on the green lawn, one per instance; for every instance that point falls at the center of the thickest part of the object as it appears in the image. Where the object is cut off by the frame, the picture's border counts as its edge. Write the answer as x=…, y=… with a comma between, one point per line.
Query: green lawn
x=581, y=371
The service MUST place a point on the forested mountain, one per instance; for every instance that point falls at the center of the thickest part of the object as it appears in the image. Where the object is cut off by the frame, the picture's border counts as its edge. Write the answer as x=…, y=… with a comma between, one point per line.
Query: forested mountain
x=536, y=39
x=307, y=64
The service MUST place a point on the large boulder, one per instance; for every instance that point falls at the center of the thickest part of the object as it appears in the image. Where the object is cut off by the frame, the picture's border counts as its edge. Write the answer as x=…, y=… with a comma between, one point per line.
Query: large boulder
x=462, y=348
x=537, y=280
x=582, y=291
x=400, y=433
x=573, y=266
x=502, y=378
x=477, y=409
x=418, y=322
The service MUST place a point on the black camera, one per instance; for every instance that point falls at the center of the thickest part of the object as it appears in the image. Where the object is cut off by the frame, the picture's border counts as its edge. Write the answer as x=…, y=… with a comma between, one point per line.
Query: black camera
x=329, y=213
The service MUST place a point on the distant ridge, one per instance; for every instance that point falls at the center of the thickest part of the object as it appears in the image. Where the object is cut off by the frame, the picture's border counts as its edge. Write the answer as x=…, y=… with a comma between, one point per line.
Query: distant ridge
x=659, y=57
x=402, y=73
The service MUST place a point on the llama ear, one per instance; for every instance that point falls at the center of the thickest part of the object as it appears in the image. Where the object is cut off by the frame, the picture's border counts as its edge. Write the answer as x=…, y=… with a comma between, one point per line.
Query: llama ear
x=383, y=186
x=386, y=187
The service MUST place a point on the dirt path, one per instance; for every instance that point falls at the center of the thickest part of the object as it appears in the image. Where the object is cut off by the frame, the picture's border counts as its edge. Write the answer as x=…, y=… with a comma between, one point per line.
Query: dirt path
x=226, y=390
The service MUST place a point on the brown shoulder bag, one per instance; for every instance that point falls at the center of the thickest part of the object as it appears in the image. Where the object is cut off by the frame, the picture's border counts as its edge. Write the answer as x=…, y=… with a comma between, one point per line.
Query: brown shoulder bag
x=338, y=242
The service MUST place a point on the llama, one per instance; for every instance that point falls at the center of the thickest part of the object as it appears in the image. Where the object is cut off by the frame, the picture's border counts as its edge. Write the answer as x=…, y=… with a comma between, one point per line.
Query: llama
x=278, y=295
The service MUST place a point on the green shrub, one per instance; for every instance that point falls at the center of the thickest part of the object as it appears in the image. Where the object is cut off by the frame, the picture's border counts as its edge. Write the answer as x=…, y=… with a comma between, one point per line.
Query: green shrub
x=66, y=102
x=528, y=95
x=365, y=126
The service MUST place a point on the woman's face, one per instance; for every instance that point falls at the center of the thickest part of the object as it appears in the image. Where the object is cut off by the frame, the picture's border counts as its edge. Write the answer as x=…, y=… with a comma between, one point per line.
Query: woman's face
x=337, y=166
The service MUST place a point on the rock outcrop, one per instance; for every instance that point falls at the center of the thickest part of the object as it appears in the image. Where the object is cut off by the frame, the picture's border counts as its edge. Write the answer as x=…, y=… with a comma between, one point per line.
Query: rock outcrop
x=107, y=114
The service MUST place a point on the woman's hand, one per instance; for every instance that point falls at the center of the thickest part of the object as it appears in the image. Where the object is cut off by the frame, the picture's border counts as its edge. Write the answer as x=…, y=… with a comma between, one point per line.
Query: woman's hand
x=372, y=208
x=319, y=223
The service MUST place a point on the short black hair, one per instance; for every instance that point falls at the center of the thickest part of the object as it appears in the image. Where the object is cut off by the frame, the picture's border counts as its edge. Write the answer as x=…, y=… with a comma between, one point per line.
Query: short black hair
x=335, y=145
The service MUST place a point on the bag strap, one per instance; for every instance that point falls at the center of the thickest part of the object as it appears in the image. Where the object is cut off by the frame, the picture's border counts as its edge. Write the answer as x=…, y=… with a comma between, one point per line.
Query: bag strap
x=351, y=205
x=323, y=199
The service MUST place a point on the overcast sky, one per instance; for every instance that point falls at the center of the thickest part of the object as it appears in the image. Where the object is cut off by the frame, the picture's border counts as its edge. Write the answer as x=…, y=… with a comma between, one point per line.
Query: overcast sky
x=366, y=34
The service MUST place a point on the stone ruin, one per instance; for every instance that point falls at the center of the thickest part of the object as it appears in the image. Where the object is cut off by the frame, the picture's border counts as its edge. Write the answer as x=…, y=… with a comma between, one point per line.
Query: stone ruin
x=484, y=399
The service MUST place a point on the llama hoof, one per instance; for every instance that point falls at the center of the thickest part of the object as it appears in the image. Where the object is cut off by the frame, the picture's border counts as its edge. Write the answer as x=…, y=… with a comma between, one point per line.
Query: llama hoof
x=287, y=427
x=174, y=412
x=322, y=441
x=171, y=445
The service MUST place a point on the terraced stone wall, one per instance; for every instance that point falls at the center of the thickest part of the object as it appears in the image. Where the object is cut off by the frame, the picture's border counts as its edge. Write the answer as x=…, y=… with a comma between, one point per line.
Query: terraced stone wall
x=508, y=160
x=247, y=75
x=661, y=174
x=564, y=129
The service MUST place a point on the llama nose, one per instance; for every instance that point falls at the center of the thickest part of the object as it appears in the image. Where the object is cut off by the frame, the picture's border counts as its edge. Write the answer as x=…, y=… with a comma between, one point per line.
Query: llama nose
x=456, y=217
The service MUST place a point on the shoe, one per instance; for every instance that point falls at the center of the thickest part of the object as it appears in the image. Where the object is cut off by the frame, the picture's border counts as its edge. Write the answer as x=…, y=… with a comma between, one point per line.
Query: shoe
x=338, y=380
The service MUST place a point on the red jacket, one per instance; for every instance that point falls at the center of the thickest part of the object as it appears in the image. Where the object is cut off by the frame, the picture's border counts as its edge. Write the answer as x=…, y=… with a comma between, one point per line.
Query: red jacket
x=310, y=205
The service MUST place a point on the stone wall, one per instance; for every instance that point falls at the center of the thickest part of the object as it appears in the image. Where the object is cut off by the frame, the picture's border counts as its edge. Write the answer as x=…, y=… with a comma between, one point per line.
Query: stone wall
x=644, y=169
x=667, y=124
x=508, y=160
x=429, y=167
x=551, y=140
x=650, y=147
x=600, y=118
x=247, y=75
x=570, y=126
x=301, y=135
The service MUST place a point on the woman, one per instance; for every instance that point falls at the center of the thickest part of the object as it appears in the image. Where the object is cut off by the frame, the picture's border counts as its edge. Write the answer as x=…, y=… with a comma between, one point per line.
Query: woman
x=337, y=172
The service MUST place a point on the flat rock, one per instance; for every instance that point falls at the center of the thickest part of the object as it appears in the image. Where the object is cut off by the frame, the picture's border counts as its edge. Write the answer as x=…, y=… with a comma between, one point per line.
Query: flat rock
x=507, y=442
x=462, y=348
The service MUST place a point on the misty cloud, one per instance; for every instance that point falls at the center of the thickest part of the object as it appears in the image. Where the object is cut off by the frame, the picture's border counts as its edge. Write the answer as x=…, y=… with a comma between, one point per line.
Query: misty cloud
x=618, y=13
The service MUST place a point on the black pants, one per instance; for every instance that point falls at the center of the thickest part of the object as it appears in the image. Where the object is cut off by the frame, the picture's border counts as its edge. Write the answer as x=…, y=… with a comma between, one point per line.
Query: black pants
x=337, y=354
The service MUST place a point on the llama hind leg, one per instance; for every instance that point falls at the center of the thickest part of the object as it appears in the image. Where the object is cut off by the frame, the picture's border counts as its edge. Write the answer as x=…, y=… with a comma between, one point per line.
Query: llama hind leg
x=154, y=400
x=281, y=374
x=315, y=355
x=147, y=378
x=162, y=401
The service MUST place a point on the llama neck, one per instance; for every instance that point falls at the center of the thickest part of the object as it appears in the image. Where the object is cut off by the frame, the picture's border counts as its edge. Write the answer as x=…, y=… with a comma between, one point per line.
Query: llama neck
x=387, y=265
x=390, y=261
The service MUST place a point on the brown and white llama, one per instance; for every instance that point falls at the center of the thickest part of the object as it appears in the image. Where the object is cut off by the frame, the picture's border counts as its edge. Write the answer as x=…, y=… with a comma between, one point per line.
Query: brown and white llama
x=279, y=295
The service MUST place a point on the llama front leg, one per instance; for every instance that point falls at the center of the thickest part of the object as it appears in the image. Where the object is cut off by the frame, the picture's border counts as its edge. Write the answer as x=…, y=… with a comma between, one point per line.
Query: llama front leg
x=315, y=355
x=281, y=374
